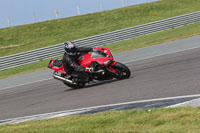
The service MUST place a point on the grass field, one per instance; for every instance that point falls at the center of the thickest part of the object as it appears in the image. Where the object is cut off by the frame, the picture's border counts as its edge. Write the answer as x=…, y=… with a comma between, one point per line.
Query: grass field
x=162, y=120
x=27, y=37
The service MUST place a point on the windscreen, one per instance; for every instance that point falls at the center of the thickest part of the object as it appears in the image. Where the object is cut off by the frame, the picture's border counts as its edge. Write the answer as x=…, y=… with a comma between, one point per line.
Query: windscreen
x=98, y=53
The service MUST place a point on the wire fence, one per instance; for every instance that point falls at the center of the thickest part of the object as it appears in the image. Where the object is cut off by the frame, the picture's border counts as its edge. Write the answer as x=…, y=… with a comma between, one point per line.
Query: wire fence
x=28, y=57
x=78, y=10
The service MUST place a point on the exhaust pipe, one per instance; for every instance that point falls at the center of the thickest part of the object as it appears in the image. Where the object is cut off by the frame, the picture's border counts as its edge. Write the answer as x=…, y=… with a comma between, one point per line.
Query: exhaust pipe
x=63, y=79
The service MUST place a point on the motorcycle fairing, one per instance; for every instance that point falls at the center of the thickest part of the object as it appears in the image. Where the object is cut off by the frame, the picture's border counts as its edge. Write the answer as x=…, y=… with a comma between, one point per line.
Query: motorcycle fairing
x=99, y=55
x=53, y=64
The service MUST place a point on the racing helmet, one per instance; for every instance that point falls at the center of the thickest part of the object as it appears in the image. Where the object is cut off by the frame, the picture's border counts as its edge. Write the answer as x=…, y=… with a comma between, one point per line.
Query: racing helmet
x=70, y=48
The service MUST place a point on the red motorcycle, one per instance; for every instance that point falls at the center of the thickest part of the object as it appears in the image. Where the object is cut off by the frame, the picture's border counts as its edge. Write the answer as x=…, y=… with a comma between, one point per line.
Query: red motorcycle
x=101, y=59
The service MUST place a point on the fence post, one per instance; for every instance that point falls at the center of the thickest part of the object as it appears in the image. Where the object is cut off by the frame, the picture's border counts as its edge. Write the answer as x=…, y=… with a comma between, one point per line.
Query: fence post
x=56, y=13
x=122, y=3
x=34, y=18
x=78, y=10
x=9, y=25
x=101, y=6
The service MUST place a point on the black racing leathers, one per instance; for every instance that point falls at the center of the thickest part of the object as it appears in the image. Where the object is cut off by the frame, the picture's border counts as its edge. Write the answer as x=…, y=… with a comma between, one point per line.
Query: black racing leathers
x=70, y=63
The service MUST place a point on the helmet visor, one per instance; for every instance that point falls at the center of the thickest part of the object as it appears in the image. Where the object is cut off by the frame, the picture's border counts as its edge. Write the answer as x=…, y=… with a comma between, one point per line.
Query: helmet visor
x=71, y=51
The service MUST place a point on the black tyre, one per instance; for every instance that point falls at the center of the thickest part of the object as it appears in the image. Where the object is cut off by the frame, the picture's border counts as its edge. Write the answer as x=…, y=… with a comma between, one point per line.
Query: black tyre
x=122, y=71
x=78, y=86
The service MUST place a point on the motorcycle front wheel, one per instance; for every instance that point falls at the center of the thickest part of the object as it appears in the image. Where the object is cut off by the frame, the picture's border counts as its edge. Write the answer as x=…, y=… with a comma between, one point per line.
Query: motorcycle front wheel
x=122, y=71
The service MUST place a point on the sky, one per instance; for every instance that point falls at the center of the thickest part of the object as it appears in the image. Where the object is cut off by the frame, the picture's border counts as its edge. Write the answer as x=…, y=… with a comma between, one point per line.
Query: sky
x=20, y=12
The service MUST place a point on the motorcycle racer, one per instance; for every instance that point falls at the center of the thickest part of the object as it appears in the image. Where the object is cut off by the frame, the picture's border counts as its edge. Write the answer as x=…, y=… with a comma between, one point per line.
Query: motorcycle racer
x=70, y=61
x=100, y=63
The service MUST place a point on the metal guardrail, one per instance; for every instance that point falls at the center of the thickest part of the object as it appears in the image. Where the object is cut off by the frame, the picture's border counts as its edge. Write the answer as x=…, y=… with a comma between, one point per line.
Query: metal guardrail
x=15, y=60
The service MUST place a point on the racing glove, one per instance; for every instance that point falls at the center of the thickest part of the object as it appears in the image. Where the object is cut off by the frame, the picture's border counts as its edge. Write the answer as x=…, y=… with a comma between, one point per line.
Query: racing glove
x=89, y=69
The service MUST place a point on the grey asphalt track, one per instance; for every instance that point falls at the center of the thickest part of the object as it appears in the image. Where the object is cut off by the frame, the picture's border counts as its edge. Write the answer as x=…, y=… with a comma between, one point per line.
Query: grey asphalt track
x=124, y=57
x=163, y=76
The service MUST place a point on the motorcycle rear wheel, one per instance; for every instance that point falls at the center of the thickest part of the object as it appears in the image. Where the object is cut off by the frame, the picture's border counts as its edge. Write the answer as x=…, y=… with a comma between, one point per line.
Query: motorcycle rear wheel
x=78, y=86
x=122, y=71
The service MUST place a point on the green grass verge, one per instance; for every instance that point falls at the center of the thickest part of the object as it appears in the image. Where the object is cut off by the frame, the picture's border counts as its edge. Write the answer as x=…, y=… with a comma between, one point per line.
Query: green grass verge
x=162, y=120
x=27, y=37
x=147, y=40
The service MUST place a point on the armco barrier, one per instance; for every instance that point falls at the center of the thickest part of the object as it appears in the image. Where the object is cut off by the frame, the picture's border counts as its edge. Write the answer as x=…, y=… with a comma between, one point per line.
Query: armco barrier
x=98, y=40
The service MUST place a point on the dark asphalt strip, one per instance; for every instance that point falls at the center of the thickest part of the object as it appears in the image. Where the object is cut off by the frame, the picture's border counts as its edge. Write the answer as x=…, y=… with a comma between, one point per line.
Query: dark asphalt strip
x=142, y=105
